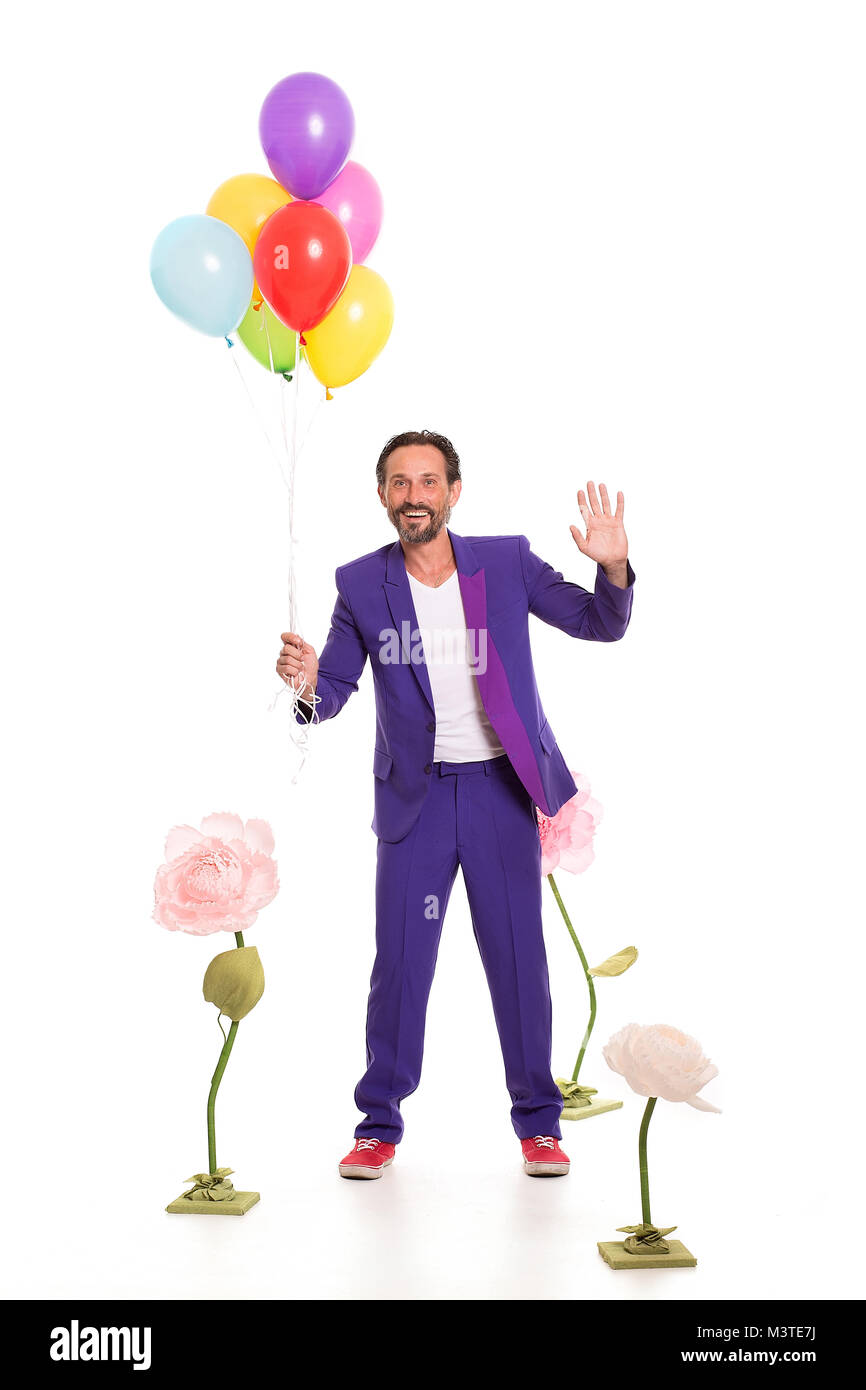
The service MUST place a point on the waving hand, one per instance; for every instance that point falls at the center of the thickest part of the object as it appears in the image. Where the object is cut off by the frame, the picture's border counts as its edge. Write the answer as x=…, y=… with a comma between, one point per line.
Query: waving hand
x=605, y=540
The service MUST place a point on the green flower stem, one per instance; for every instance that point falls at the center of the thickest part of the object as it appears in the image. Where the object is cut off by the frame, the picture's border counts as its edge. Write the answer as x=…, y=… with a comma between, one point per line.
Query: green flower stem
x=589, y=980
x=641, y=1149
x=215, y=1082
x=211, y=1100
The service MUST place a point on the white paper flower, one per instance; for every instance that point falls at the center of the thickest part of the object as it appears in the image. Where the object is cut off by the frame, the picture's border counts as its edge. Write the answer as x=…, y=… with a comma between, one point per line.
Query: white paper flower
x=657, y=1060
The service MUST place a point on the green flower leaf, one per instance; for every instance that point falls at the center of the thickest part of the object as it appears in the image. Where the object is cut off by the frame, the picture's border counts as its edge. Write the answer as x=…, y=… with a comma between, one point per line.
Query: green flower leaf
x=210, y=1187
x=574, y=1095
x=618, y=964
x=208, y=1179
x=646, y=1239
x=646, y=1231
x=235, y=982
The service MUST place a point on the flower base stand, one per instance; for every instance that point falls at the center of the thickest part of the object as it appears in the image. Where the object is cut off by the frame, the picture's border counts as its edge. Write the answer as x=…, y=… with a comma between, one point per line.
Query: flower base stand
x=597, y=1106
x=236, y=1205
x=676, y=1257
x=213, y=1195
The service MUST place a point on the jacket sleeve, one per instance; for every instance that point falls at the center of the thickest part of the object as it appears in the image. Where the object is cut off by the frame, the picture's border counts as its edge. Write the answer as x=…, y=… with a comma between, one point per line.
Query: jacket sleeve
x=343, y=658
x=602, y=616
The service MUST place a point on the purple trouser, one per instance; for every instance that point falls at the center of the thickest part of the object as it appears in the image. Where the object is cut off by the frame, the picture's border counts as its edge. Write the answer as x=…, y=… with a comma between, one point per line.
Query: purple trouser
x=478, y=816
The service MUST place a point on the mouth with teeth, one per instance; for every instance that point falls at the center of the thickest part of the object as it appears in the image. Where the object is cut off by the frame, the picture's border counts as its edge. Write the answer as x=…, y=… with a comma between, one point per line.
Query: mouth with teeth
x=419, y=524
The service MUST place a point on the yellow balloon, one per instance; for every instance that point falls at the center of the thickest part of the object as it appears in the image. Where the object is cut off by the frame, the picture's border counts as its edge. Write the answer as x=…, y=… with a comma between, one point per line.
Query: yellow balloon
x=352, y=335
x=246, y=202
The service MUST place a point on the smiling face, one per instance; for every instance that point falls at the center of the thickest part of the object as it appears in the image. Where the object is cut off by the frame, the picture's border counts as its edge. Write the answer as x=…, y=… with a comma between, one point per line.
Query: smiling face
x=416, y=494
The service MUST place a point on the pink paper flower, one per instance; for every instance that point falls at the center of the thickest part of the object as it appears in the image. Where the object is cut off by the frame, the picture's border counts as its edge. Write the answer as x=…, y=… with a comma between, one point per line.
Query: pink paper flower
x=216, y=878
x=657, y=1060
x=566, y=838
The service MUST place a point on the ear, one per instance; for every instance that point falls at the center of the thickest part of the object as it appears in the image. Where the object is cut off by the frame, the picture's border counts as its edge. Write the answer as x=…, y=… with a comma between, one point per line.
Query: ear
x=454, y=494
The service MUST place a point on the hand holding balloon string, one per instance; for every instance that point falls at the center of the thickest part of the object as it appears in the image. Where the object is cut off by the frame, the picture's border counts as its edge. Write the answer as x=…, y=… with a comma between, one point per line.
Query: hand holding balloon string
x=298, y=666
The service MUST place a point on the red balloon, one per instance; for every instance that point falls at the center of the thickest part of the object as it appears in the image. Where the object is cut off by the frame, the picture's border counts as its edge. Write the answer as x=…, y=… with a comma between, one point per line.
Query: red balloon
x=302, y=261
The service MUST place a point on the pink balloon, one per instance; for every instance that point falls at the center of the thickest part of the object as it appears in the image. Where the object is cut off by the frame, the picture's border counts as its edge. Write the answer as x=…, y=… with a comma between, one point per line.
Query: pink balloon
x=356, y=199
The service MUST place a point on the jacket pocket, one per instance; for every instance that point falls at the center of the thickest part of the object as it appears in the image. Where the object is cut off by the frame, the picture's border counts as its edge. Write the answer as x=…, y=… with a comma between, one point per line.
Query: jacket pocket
x=546, y=737
x=382, y=763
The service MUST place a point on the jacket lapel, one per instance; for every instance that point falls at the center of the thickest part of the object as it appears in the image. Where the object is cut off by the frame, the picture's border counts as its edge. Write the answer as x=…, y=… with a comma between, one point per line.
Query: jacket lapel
x=473, y=591
x=399, y=596
x=491, y=676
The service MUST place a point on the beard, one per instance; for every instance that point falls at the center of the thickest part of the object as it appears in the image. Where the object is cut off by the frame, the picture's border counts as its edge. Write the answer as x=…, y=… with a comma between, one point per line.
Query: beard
x=418, y=532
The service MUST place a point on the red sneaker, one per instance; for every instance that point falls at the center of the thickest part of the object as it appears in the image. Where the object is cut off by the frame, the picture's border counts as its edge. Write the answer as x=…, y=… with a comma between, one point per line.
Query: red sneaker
x=543, y=1158
x=368, y=1159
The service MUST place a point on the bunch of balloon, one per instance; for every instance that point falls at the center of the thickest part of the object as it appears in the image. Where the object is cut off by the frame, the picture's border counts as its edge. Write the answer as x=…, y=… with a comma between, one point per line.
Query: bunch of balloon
x=279, y=261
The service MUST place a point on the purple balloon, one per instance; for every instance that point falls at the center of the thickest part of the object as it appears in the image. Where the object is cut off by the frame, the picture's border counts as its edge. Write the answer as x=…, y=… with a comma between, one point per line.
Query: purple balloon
x=306, y=128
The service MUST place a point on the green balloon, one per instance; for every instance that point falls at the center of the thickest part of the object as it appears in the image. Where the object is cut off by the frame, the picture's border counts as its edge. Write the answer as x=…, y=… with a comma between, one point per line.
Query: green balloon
x=259, y=329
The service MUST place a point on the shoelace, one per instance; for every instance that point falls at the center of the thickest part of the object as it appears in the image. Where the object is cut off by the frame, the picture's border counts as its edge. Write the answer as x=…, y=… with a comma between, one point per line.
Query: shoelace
x=544, y=1141
x=362, y=1144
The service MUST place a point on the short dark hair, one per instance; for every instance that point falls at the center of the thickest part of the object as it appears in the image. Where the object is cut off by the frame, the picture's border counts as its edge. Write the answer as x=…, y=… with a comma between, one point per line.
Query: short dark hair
x=445, y=447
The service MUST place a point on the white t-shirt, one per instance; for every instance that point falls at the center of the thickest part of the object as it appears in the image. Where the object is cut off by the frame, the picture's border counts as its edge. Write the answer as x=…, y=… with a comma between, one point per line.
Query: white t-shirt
x=464, y=734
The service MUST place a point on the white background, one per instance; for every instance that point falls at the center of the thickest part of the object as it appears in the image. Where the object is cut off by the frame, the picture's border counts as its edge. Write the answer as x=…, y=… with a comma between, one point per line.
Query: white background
x=625, y=242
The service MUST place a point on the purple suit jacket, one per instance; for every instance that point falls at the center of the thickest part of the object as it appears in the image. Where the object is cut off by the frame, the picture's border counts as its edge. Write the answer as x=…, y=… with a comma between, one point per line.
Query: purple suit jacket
x=501, y=583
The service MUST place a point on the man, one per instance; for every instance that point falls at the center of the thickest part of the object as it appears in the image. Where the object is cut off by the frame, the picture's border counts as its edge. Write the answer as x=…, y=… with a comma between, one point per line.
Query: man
x=463, y=755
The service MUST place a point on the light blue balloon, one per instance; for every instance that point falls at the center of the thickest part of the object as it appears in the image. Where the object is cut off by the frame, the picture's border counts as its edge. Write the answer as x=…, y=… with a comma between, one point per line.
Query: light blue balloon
x=203, y=272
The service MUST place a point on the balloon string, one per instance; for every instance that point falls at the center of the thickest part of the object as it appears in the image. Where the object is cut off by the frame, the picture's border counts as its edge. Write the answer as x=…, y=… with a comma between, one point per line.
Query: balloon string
x=286, y=460
x=292, y=455
x=309, y=426
x=257, y=412
x=300, y=732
